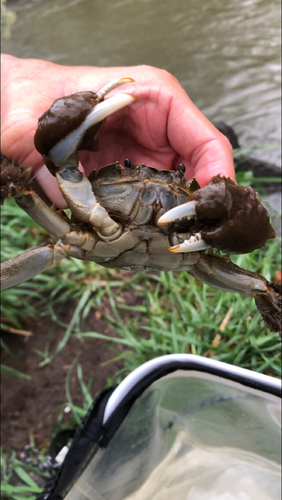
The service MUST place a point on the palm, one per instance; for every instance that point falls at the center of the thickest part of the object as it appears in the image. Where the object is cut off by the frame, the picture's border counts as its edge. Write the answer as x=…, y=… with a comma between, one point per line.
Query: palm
x=138, y=132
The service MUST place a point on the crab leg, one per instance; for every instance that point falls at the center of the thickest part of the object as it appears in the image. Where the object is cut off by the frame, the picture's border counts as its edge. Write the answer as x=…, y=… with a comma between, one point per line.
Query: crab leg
x=83, y=203
x=221, y=273
x=53, y=223
x=30, y=263
x=35, y=261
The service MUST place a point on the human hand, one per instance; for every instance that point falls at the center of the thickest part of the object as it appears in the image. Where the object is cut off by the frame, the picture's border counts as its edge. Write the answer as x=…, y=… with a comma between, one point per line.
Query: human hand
x=162, y=128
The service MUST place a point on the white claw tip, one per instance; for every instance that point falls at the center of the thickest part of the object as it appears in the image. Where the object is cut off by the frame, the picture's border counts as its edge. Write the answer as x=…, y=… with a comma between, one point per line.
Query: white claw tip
x=194, y=244
x=187, y=210
x=112, y=85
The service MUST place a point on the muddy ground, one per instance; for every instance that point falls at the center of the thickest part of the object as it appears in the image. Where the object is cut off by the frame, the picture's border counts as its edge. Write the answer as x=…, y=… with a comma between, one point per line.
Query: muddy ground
x=30, y=407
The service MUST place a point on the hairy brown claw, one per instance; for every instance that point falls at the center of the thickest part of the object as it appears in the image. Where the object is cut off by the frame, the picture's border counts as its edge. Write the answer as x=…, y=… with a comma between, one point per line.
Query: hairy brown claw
x=230, y=217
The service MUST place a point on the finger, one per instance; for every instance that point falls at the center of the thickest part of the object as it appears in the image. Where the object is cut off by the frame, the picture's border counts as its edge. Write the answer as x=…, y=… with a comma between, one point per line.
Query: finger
x=213, y=157
x=194, y=137
x=49, y=184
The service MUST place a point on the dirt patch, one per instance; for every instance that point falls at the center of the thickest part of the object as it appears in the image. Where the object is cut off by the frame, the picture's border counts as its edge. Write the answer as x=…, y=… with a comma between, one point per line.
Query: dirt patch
x=30, y=407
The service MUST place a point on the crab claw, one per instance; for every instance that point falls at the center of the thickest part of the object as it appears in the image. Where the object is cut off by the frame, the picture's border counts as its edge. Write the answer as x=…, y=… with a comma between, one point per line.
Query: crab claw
x=188, y=211
x=63, y=149
x=222, y=215
x=73, y=122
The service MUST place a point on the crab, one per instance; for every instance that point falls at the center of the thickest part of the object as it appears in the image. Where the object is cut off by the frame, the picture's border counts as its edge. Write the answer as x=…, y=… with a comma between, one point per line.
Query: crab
x=135, y=216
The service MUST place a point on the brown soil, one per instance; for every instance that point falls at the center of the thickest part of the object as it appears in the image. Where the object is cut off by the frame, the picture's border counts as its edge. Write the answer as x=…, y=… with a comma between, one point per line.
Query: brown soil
x=30, y=407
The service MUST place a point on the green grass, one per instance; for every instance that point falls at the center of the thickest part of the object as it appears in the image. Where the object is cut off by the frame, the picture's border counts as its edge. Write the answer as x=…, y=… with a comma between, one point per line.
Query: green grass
x=177, y=314
x=166, y=313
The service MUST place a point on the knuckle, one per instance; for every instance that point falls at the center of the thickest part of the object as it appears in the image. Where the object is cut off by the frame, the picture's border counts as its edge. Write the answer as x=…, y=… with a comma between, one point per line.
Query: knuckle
x=226, y=143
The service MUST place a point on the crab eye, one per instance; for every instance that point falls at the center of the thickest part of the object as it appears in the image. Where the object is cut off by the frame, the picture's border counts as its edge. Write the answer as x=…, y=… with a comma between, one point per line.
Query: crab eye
x=181, y=169
x=128, y=163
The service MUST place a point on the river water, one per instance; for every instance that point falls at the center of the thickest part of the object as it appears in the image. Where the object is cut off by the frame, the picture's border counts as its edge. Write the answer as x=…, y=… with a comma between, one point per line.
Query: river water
x=225, y=54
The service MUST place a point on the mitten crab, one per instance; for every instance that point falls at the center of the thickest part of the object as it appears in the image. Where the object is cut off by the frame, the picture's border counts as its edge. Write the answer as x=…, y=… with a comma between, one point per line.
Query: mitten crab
x=135, y=216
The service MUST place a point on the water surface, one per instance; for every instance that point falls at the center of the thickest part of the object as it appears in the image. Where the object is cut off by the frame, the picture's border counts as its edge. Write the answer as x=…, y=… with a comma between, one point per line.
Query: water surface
x=225, y=54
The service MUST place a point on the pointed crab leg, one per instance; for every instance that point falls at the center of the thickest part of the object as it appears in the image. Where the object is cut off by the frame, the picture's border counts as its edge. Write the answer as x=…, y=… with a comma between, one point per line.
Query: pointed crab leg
x=221, y=273
x=34, y=261
x=57, y=227
x=30, y=263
